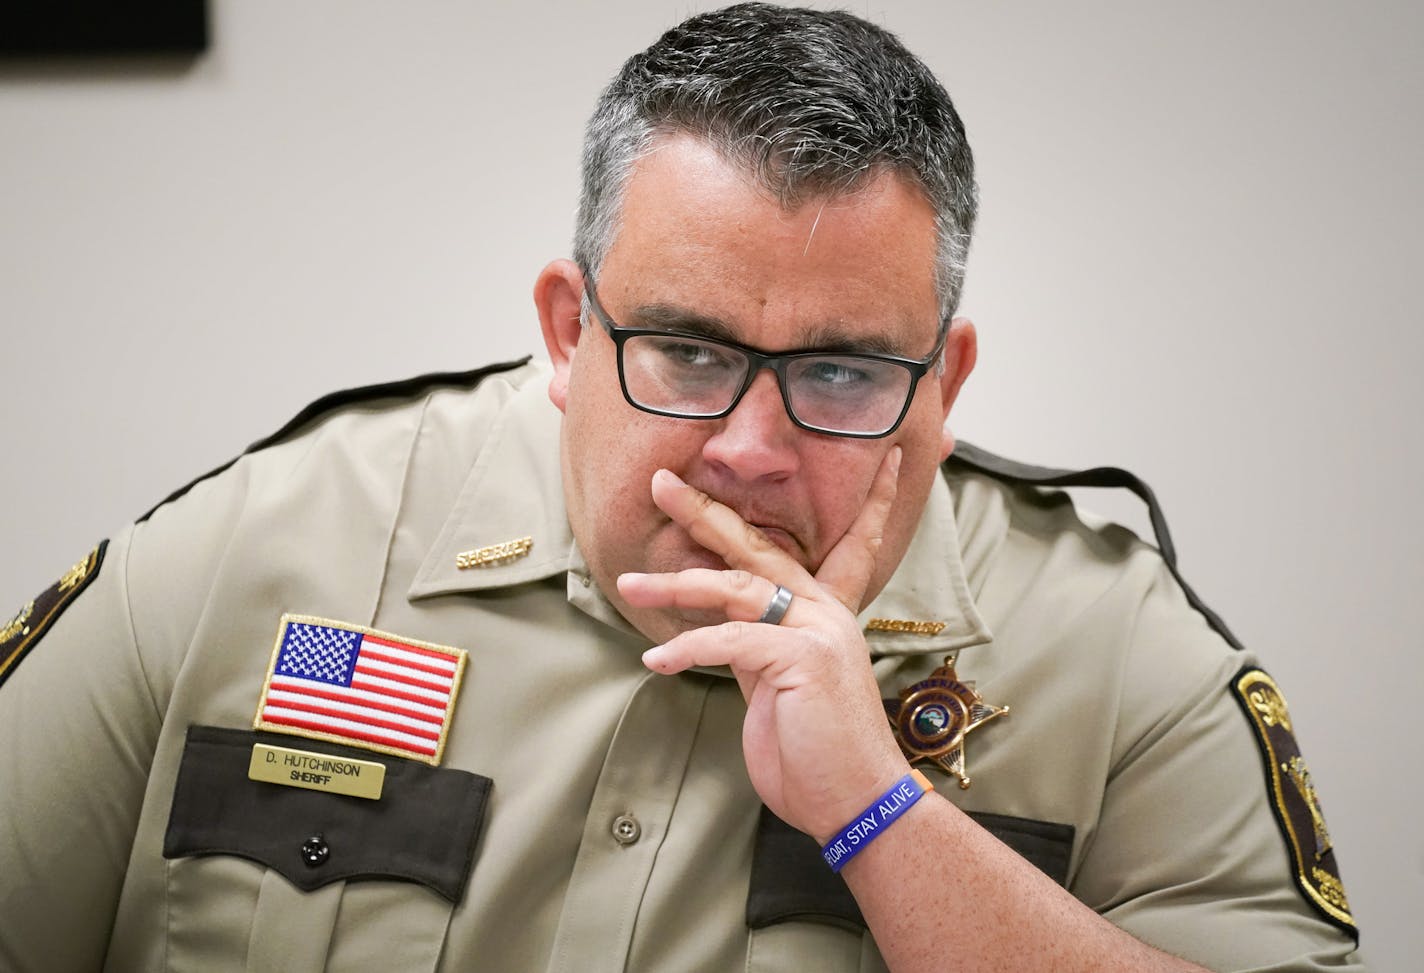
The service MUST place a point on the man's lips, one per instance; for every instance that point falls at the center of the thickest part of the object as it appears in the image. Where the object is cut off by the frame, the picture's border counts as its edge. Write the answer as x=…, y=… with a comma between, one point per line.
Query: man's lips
x=776, y=525
x=698, y=556
x=782, y=539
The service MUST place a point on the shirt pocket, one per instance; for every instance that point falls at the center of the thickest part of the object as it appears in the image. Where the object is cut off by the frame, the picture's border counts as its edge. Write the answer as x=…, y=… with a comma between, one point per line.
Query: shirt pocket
x=265, y=876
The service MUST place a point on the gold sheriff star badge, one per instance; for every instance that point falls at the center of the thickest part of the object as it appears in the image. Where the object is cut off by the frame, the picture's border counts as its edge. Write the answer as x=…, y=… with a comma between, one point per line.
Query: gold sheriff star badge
x=932, y=718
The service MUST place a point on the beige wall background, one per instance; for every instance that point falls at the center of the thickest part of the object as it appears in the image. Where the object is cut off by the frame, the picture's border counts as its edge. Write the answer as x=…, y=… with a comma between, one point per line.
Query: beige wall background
x=1198, y=259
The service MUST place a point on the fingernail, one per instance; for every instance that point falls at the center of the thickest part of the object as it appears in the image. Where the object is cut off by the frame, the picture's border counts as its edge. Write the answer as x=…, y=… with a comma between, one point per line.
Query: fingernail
x=895, y=454
x=669, y=477
x=653, y=656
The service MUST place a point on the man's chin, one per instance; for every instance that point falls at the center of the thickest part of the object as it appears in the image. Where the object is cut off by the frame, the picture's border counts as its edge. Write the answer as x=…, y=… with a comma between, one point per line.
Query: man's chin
x=687, y=619
x=686, y=553
x=669, y=559
x=664, y=624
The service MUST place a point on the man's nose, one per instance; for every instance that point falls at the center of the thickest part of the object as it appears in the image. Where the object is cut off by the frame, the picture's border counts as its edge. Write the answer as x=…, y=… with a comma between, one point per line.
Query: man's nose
x=758, y=438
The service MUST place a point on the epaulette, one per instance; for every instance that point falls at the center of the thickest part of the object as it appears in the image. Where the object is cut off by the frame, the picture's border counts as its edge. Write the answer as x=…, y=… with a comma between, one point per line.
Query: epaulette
x=333, y=401
x=1010, y=471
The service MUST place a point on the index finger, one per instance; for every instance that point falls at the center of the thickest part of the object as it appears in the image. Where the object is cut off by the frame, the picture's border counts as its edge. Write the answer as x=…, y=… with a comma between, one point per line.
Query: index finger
x=847, y=569
x=722, y=531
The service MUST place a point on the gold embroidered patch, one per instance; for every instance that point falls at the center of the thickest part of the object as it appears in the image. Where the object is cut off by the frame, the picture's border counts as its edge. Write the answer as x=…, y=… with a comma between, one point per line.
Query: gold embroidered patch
x=1293, y=797
x=20, y=634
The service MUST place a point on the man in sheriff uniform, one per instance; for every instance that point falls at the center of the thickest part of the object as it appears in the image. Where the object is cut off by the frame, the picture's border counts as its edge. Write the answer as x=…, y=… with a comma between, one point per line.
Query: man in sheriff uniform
x=687, y=651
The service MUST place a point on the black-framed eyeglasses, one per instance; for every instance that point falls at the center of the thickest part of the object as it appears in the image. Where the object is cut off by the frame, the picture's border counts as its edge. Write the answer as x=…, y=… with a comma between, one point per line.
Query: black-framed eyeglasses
x=689, y=376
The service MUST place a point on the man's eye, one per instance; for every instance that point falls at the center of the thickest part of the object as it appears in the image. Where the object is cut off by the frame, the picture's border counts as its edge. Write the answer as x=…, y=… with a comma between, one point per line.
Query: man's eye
x=688, y=354
x=839, y=373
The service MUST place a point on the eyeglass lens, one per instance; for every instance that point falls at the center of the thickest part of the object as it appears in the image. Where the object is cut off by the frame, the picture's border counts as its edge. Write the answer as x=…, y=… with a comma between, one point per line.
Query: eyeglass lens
x=687, y=376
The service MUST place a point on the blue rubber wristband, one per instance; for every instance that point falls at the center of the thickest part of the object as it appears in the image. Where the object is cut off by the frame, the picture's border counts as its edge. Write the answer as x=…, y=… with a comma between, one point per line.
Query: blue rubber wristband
x=875, y=819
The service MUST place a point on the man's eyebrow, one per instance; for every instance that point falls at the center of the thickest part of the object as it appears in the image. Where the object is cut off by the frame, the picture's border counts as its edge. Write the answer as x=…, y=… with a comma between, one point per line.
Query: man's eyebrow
x=826, y=337
x=670, y=317
x=833, y=338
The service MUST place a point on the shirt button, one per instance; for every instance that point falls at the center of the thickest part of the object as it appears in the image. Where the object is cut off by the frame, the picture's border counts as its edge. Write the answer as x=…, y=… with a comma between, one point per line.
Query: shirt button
x=315, y=851
x=626, y=829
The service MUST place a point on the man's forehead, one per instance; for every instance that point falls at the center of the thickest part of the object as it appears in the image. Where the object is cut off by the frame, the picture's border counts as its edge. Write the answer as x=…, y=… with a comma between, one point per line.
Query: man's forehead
x=701, y=247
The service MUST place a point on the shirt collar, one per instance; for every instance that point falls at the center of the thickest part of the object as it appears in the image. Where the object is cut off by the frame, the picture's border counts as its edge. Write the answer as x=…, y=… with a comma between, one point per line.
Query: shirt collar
x=927, y=606
x=515, y=491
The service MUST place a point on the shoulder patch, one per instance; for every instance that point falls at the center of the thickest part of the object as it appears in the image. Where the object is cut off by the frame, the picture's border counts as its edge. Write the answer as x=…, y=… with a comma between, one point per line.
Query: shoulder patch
x=21, y=633
x=1293, y=797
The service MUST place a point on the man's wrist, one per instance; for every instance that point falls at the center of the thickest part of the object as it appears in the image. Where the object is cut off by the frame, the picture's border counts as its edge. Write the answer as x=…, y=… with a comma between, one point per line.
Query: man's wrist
x=832, y=816
x=877, y=816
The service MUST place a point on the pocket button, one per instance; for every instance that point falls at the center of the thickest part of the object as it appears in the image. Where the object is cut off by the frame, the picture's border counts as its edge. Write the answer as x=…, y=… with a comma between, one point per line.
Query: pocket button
x=315, y=851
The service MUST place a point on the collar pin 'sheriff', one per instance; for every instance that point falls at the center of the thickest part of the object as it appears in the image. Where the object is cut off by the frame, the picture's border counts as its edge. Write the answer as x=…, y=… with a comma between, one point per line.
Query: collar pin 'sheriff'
x=909, y=625
x=492, y=554
x=932, y=718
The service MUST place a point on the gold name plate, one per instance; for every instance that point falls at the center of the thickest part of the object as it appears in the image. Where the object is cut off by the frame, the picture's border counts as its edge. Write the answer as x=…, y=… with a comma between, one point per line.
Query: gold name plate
x=316, y=771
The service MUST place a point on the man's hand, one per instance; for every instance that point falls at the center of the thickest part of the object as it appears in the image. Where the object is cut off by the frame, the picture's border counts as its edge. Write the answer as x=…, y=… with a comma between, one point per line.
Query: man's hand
x=819, y=750
x=817, y=745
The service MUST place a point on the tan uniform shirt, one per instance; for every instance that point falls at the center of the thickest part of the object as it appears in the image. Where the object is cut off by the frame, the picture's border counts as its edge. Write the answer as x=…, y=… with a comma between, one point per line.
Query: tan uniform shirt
x=619, y=829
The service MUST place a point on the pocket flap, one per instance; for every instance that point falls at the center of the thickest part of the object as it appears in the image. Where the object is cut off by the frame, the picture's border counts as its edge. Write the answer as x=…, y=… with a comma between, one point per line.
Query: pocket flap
x=423, y=828
x=1046, y=844
x=790, y=880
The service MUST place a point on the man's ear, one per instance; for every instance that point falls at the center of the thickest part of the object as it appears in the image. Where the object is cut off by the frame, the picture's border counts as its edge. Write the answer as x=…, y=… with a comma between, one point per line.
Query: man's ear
x=961, y=351
x=558, y=294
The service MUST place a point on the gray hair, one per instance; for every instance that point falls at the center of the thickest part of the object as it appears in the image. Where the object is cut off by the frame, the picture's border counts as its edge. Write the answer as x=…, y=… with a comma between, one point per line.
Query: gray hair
x=812, y=103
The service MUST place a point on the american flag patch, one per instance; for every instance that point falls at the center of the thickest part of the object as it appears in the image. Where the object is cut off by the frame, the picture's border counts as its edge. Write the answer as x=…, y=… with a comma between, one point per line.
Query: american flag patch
x=347, y=684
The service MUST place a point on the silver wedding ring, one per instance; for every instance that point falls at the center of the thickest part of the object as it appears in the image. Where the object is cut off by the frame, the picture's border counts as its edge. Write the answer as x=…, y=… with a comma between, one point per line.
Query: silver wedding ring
x=776, y=611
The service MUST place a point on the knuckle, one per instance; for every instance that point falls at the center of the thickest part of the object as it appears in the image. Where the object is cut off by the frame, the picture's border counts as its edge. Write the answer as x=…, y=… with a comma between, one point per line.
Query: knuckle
x=737, y=631
x=739, y=580
x=757, y=539
x=819, y=647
